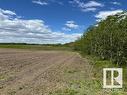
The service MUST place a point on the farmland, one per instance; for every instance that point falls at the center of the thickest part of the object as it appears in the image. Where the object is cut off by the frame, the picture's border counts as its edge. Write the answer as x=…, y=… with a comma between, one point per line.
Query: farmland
x=25, y=72
x=51, y=72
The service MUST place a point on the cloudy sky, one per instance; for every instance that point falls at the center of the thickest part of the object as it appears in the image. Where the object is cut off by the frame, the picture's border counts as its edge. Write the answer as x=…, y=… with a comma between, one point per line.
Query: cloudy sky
x=52, y=21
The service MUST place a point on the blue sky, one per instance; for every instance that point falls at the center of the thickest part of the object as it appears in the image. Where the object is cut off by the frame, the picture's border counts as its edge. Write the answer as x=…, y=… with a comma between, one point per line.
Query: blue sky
x=52, y=21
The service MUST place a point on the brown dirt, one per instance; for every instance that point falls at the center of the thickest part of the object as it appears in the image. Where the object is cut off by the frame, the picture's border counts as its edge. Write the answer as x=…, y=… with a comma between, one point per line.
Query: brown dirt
x=24, y=72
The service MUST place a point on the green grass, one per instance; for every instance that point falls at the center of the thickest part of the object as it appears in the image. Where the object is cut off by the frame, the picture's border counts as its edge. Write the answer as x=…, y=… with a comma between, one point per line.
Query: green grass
x=98, y=66
x=36, y=47
x=3, y=77
x=93, y=86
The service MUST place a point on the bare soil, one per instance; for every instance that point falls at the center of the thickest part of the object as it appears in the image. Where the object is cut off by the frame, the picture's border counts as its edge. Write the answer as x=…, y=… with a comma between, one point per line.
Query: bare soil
x=25, y=72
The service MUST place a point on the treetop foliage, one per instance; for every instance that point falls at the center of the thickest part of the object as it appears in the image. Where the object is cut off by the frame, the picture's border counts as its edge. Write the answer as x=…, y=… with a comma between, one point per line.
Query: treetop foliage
x=107, y=39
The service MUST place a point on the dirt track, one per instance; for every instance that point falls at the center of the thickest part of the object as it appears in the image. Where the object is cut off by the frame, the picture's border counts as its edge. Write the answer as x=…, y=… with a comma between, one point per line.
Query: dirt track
x=24, y=72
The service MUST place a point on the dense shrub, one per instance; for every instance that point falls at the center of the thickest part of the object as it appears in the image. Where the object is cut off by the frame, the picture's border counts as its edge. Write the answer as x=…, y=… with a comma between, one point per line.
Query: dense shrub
x=107, y=39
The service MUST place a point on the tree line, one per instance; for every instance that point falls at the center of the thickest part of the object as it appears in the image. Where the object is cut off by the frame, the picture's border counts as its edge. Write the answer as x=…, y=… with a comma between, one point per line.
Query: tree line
x=107, y=39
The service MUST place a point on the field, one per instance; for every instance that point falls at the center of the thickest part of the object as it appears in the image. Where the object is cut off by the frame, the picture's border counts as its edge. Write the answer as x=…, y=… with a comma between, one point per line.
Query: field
x=25, y=72
x=44, y=72
x=35, y=47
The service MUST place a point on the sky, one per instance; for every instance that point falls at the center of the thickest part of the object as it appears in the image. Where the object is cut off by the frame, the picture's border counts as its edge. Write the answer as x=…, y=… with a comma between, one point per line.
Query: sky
x=52, y=21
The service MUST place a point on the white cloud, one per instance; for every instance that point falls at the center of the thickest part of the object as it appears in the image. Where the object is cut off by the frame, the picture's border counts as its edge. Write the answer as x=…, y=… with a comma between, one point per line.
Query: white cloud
x=89, y=6
x=116, y=3
x=13, y=29
x=89, y=9
x=7, y=12
x=40, y=2
x=71, y=25
x=104, y=14
x=66, y=29
x=46, y=2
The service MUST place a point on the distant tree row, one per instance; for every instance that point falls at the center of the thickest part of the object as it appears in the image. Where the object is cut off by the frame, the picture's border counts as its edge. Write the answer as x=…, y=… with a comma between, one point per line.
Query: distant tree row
x=31, y=44
x=107, y=39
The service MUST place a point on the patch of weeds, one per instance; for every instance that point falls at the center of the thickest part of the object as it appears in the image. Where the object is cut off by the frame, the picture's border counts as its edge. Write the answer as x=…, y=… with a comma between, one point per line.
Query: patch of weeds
x=125, y=87
x=81, y=87
x=71, y=71
x=104, y=63
x=2, y=77
x=98, y=66
x=12, y=92
x=67, y=91
x=117, y=92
